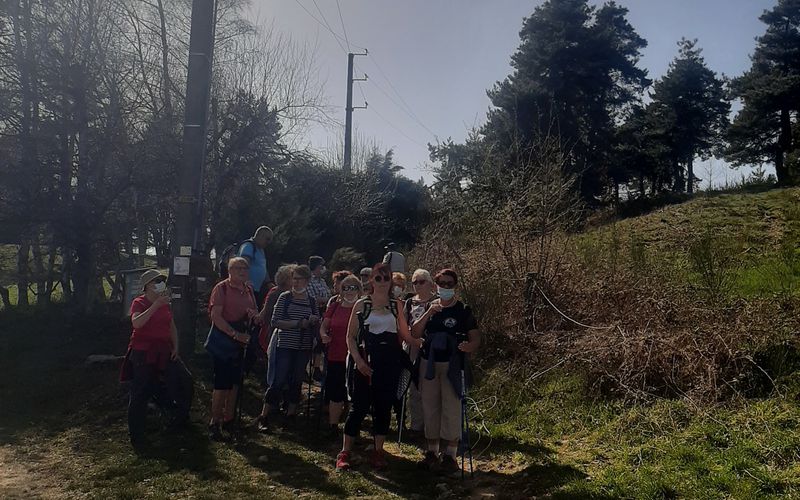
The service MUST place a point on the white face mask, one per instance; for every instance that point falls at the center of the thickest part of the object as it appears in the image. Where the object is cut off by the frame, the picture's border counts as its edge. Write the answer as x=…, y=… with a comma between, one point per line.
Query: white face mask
x=160, y=287
x=446, y=293
x=398, y=291
x=349, y=297
x=299, y=290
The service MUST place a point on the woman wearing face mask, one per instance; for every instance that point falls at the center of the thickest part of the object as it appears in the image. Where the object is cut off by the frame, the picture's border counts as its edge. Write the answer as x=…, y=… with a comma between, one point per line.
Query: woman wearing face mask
x=399, y=286
x=450, y=331
x=374, y=333
x=232, y=305
x=415, y=307
x=294, y=318
x=153, y=356
x=333, y=333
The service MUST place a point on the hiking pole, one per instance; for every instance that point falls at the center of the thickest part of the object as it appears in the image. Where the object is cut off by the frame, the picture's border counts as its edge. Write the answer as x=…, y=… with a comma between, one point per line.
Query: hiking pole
x=402, y=423
x=310, y=381
x=466, y=446
x=238, y=405
x=322, y=385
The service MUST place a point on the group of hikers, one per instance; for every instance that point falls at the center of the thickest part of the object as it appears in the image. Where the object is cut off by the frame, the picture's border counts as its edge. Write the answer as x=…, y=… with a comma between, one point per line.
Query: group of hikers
x=370, y=342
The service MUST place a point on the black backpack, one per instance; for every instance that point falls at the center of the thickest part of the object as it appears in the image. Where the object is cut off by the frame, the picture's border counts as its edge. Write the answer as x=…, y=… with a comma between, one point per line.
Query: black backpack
x=230, y=251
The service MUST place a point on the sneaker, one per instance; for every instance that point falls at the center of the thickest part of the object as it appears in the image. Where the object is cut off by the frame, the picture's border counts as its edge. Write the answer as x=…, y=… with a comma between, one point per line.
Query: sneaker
x=449, y=464
x=377, y=459
x=429, y=462
x=343, y=460
x=262, y=425
x=215, y=432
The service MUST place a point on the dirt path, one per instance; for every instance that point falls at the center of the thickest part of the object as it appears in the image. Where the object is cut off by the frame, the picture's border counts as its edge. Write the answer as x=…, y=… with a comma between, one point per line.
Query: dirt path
x=20, y=479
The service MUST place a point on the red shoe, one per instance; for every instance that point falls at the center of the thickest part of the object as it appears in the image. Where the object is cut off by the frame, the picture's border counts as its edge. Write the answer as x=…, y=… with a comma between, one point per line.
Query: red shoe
x=343, y=460
x=378, y=460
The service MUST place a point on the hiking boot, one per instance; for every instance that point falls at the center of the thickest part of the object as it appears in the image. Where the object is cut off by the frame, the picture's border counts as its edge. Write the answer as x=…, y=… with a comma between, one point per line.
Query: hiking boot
x=215, y=432
x=343, y=460
x=429, y=462
x=449, y=464
x=262, y=425
x=377, y=459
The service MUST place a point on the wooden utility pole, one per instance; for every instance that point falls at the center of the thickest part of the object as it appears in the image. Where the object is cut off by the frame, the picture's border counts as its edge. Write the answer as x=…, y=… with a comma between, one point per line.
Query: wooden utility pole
x=190, y=178
x=348, y=120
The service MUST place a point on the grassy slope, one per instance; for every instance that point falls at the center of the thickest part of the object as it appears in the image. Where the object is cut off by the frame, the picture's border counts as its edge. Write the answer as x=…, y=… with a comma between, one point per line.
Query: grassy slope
x=755, y=235
x=67, y=421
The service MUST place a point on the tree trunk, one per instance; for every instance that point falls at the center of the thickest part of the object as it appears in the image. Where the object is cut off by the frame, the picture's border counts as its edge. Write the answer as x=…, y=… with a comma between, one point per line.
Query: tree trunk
x=690, y=174
x=41, y=276
x=166, y=82
x=51, y=264
x=6, y=297
x=781, y=171
x=23, y=272
x=784, y=146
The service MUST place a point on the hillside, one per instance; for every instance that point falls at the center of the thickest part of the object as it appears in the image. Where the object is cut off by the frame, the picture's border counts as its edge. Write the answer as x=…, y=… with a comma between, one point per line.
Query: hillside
x=539, y=433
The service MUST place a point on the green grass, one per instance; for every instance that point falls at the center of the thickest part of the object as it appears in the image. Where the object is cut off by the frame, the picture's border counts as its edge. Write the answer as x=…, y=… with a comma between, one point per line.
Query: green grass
x=753, y=237
x=664, y=449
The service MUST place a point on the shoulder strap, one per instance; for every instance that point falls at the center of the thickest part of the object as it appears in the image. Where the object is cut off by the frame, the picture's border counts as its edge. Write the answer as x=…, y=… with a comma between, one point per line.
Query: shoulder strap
x=362, y=317
x=252, y=243
x=393, y=307
x=287, y=303
x=367, y=308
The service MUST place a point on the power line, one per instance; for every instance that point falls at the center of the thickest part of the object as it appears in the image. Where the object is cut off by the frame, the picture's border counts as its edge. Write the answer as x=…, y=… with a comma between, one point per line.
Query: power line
x=400, y=107
x=372, y=108
x=328, y=26
x=324, y=25
x=344, y=30
x=408, y=109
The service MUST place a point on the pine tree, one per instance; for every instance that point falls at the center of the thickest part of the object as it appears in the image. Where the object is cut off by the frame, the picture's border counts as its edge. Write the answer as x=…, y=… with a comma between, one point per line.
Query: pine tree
x=770, y=93
x=575, y=71
x=694, y=100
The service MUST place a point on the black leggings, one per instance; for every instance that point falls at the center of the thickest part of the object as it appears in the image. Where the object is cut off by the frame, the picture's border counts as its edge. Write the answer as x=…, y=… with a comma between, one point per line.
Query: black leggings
x=378, y=392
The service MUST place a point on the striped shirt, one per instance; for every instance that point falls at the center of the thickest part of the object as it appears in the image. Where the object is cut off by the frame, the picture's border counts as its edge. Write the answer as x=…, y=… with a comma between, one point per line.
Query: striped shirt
x=287, y=308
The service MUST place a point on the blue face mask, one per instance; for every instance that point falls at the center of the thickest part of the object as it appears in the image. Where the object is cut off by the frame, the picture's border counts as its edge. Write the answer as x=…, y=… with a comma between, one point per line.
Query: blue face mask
x=446, y=293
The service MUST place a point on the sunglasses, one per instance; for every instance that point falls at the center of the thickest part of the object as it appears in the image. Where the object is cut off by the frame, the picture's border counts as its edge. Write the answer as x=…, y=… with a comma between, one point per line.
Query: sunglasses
x=419, y=282
x=349, y=288
x=380, y=278
x=446, y=284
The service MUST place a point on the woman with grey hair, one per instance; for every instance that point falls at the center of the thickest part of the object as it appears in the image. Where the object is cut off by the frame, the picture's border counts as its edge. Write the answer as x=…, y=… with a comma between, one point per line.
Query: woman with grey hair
x=415, y=307
x=232, y=306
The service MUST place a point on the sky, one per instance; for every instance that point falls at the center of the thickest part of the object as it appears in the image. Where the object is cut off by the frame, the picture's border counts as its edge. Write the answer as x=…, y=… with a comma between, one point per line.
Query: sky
x=430, y=62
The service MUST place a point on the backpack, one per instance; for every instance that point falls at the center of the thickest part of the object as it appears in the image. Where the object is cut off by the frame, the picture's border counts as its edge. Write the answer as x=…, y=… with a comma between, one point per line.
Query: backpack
x=230, y=251
x=363, y=315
